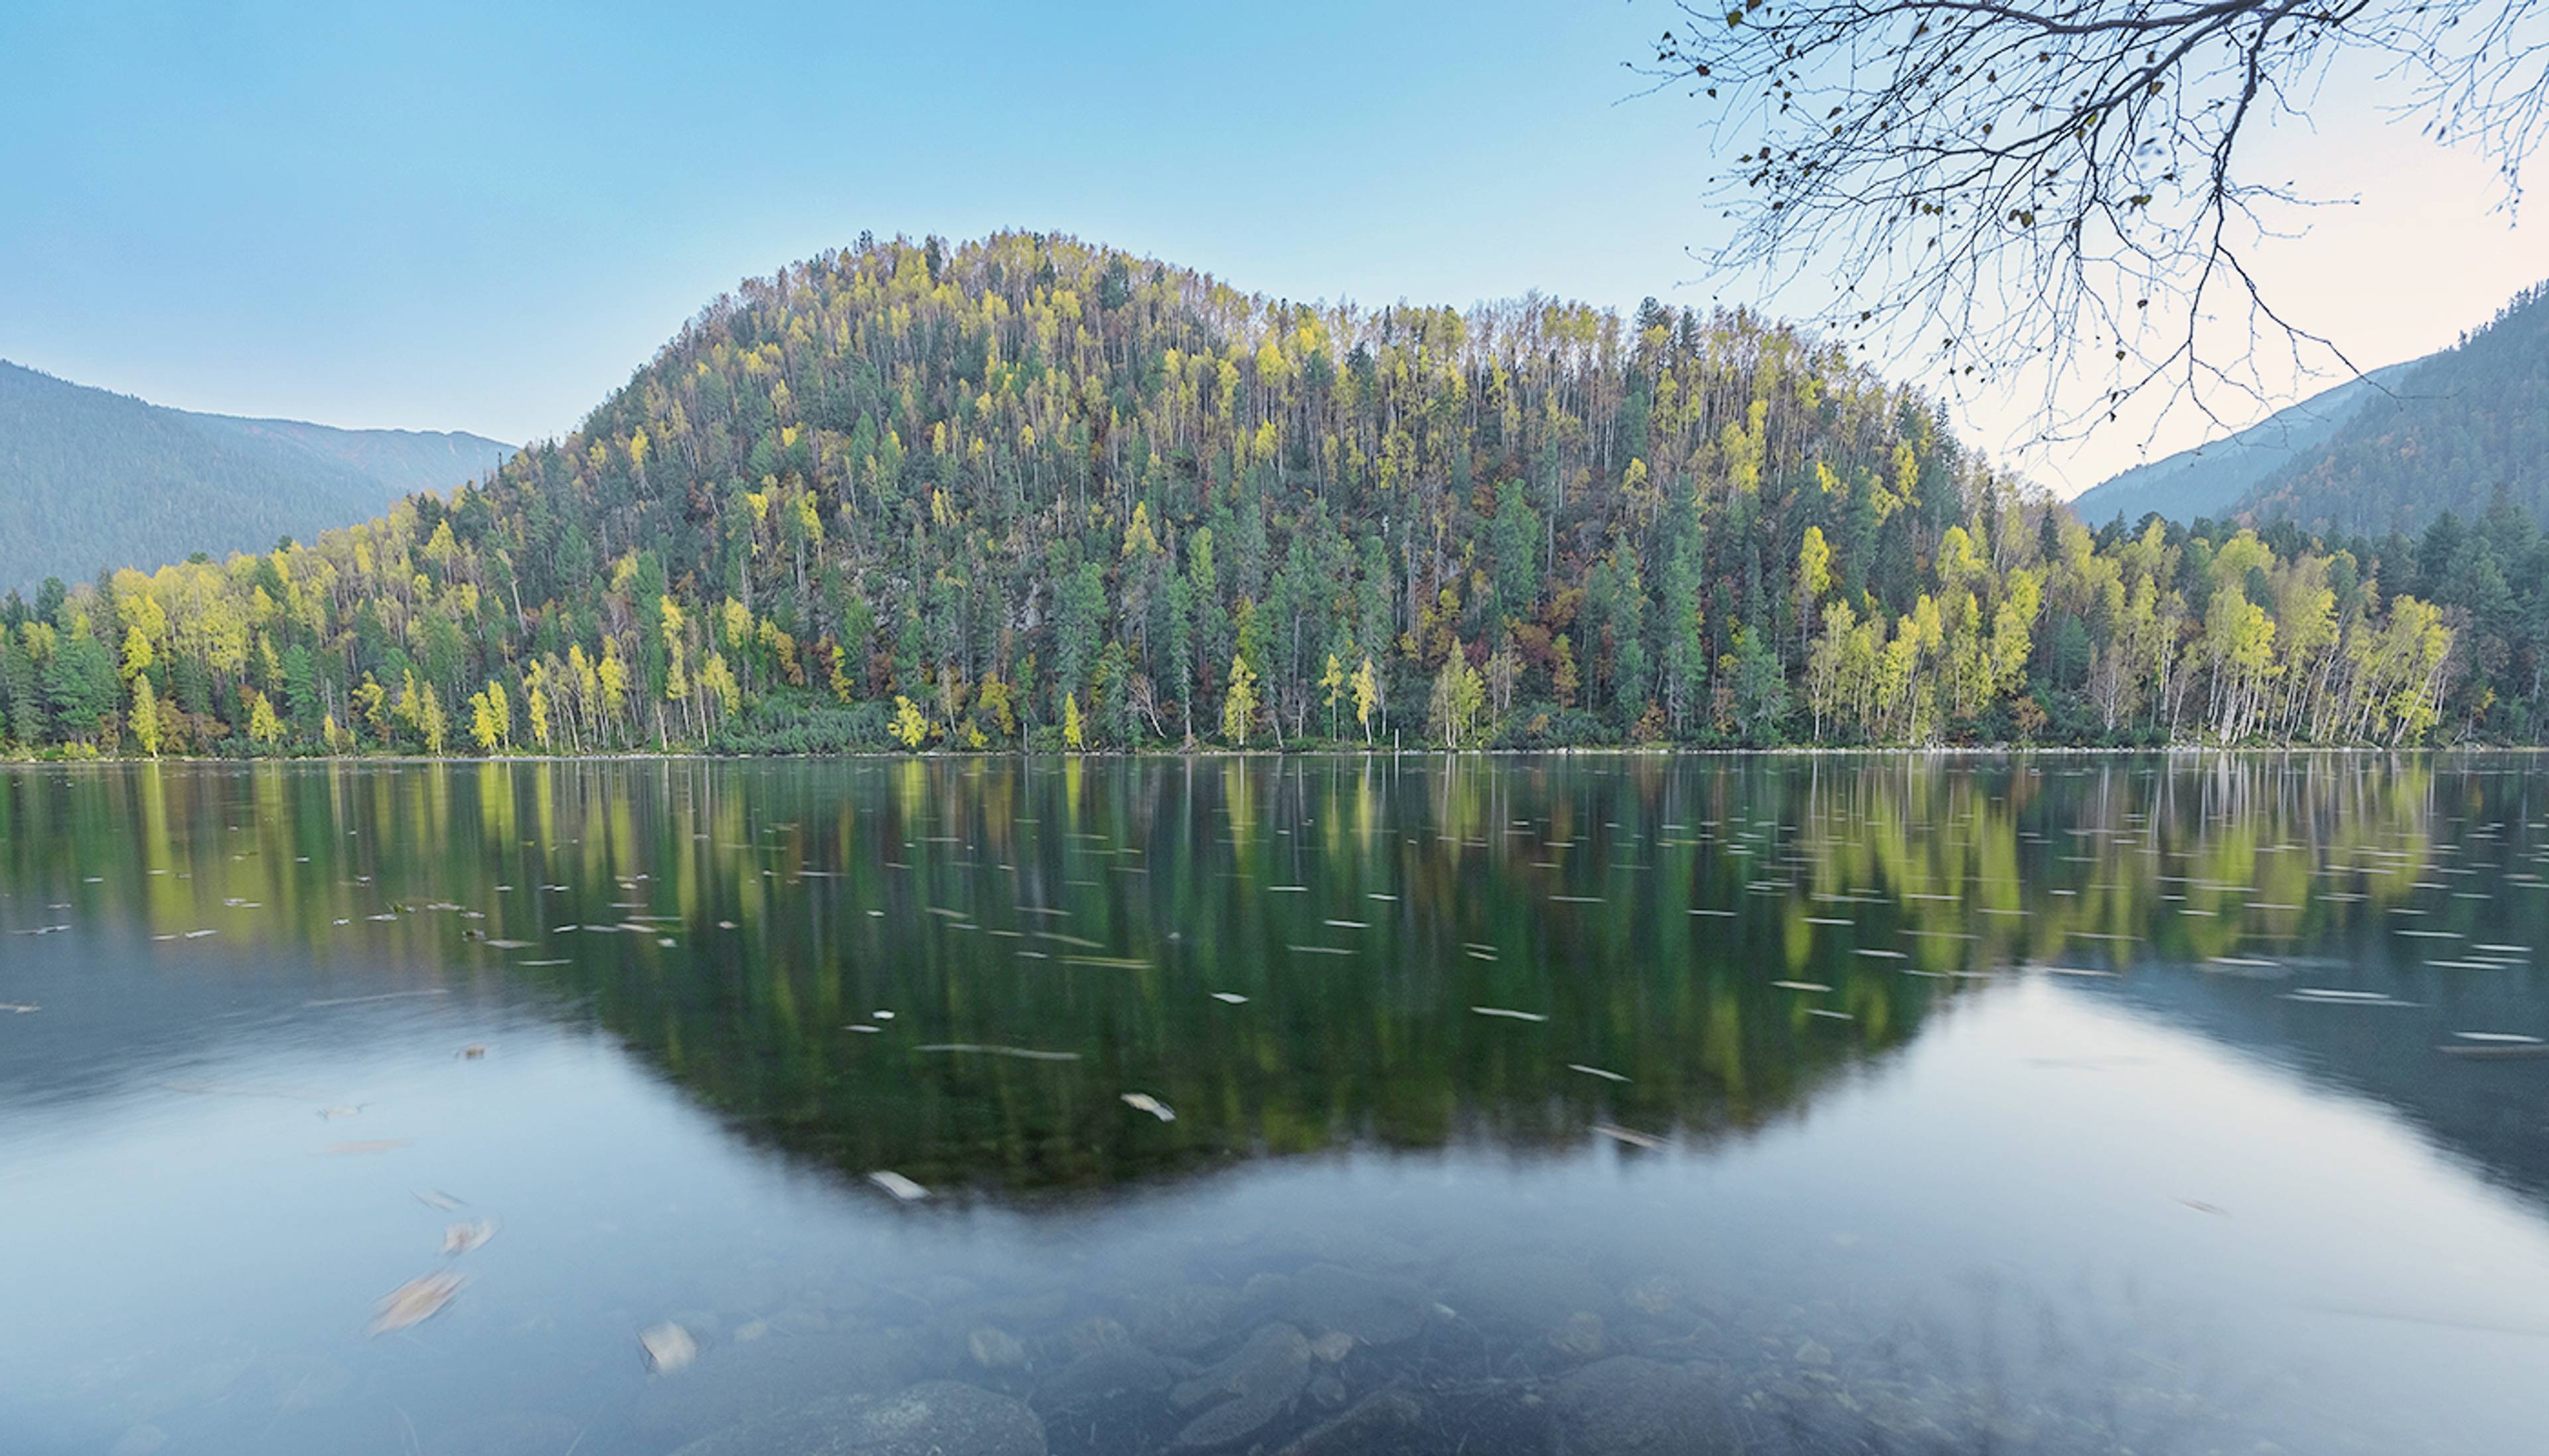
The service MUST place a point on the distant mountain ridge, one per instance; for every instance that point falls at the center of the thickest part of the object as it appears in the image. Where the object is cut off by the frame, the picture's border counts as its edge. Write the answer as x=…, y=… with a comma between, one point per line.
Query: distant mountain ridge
x=2391, y=451
x=2208, y=479
x=2465, y=426
x=90, y=478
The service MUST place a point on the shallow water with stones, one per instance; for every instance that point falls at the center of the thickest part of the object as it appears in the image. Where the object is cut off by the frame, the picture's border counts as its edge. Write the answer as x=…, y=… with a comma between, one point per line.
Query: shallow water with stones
x=1897, y=1103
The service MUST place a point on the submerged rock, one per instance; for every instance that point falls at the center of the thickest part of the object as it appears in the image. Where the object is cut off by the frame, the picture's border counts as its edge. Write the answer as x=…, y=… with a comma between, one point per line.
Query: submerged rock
x=1183, y=1318
x=1653, y=1295
x=1275, y=1355
x=1372, y=1310
x=1580, y=1335
x=935, y=1418
x=1629, y=1405
x=995, y=1350
x=773, y=1375
x=1376, y=1422
x=1252, y=1386
x=1096, y=1332
x=1529, y=1291
x=1104, y=1374
x=1230, y=1424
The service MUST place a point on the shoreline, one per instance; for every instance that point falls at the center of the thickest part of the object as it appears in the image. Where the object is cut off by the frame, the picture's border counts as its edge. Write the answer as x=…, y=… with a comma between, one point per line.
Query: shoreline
x=1948, y=751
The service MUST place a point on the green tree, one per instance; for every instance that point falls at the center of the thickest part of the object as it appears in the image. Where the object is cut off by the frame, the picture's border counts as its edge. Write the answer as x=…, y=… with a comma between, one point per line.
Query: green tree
x=81, y=684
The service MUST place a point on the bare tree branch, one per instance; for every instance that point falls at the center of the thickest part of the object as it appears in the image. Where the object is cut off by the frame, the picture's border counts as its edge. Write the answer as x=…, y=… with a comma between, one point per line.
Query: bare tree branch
x=2055, y=190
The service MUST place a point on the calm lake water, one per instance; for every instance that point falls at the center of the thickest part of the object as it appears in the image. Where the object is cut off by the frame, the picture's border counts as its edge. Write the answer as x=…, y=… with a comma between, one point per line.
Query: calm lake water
x=1898, y=1104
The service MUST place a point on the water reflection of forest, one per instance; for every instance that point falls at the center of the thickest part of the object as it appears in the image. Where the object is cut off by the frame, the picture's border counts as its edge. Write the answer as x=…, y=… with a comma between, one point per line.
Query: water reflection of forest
x=1292, y=954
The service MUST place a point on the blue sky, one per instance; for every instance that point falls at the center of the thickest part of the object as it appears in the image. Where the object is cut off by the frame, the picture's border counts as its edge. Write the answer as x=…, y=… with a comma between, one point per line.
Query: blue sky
x=485, y=217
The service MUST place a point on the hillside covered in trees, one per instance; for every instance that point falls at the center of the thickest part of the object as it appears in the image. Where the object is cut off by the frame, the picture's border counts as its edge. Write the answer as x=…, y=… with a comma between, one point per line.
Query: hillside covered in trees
x=1033, y=492
x=88, y=476
x=2448, y=434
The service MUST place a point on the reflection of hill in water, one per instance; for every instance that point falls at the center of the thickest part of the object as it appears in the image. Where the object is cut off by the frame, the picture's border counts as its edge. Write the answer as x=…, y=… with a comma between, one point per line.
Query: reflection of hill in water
x=1360, y=933
x=1647, y=907
x=1418, y=1078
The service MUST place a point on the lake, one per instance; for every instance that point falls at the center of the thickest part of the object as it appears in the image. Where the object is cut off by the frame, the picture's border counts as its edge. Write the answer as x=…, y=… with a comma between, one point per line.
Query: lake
x=986, y=1107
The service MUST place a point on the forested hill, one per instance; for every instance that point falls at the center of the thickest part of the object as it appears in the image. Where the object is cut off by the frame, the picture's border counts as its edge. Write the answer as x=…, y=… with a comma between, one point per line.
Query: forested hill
x=2451, y=433
x=91, y=479
x=2210, y=480
x=1032, y=491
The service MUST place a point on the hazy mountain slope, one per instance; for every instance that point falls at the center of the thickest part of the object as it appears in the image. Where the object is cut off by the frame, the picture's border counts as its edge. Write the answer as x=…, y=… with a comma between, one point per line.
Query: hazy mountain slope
x=89, y=477
x=2206, y=480
x=2465, y=423
x=404, y=461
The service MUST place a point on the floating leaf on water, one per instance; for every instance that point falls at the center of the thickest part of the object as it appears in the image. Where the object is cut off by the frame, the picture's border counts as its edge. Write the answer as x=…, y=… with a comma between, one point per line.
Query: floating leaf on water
x=1627, y=1135
x=897, y=1185
x=1508, y=1013
x=1145, y=1102
x=460, y=1238
x=374, y=1145
x=2495, y=1051
x=436, y=1199
x=417, y=1301
x=2324, y=996
x=1027, y=1053
x=668, y=1348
